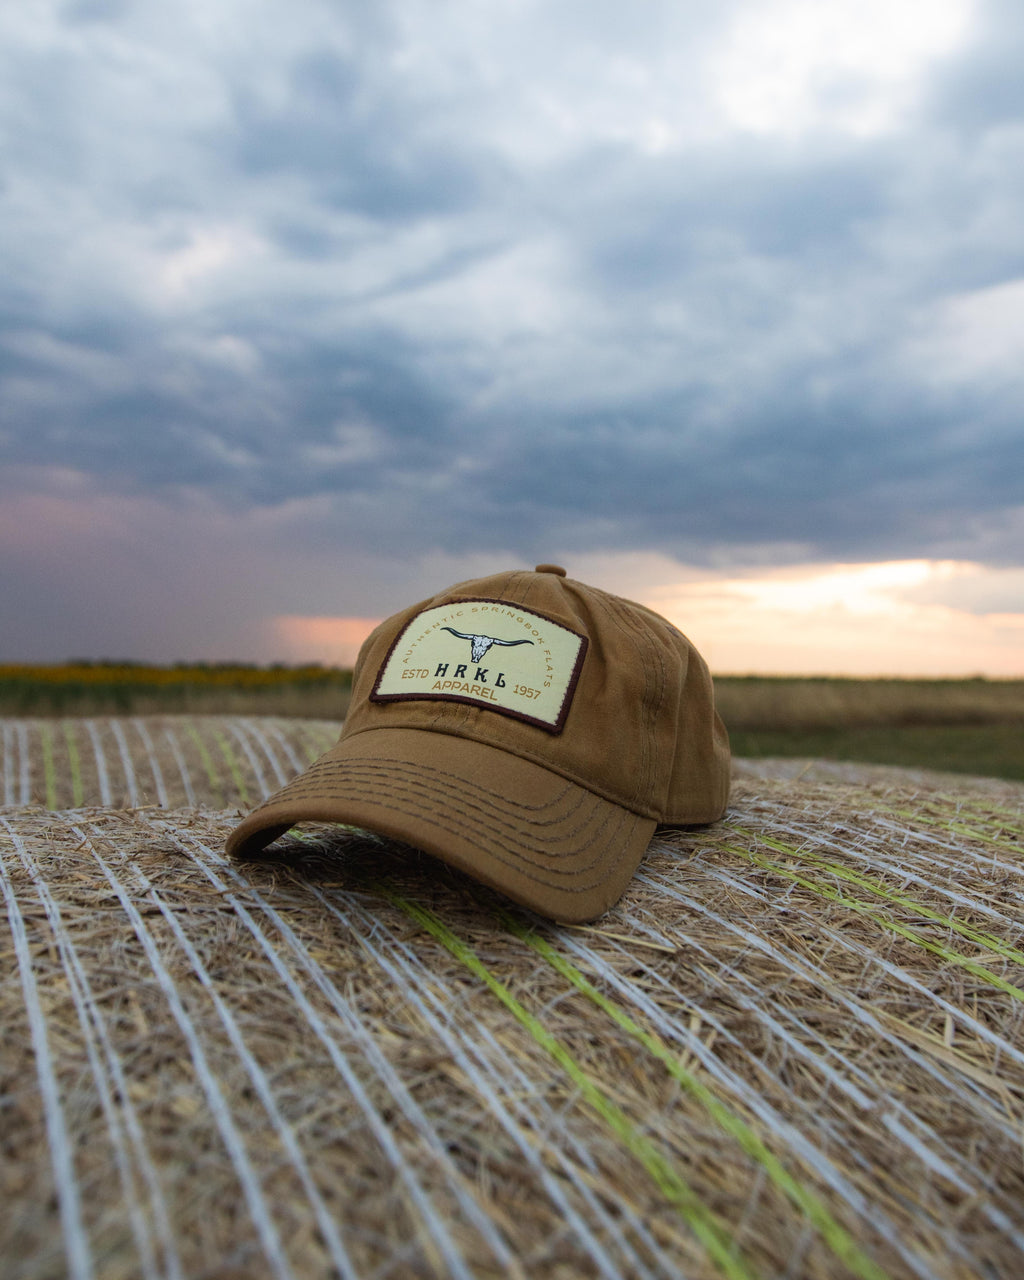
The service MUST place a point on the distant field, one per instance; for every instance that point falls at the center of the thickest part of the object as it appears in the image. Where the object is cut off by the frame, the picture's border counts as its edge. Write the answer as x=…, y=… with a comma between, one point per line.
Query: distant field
x=759, y=702
x=128, y=688
x=964, y=726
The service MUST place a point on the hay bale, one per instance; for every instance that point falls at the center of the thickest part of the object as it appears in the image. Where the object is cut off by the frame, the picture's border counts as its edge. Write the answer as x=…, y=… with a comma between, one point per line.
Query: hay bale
x=224, y=761
x=769, y=768
x=793, y=1049
x=170, y=761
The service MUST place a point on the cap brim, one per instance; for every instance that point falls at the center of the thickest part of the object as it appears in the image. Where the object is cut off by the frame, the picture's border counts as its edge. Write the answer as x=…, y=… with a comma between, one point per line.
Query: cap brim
x=542, y=840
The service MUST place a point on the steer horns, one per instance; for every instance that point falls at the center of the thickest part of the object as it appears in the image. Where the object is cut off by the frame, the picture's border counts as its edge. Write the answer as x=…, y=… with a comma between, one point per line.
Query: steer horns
x=480, y=644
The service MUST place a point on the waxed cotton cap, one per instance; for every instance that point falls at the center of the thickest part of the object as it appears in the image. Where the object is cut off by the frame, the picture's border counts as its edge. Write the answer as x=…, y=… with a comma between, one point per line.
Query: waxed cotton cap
x=525, y=728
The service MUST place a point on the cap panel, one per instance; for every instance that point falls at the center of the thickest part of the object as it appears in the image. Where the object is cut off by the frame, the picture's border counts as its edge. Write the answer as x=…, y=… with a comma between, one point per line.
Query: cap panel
x=639, y=674
x=701, y=767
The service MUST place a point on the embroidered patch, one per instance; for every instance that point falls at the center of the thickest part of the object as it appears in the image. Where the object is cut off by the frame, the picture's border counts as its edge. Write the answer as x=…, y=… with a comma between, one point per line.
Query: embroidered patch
x=490, y=653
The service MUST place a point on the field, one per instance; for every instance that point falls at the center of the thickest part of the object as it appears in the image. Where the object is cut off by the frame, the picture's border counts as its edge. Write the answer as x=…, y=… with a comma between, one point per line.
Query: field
x=962, y=726
x=134, y=688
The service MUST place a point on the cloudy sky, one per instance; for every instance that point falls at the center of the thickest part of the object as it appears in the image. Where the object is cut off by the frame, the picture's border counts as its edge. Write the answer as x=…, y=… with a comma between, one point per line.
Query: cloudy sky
x=310, y=308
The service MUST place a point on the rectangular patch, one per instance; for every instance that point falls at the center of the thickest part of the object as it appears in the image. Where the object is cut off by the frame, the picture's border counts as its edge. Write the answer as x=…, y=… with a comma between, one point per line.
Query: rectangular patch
x=489, y=653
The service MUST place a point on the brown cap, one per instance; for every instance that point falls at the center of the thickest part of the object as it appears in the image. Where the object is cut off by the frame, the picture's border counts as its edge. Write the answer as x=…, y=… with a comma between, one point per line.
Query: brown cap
x=525, y=728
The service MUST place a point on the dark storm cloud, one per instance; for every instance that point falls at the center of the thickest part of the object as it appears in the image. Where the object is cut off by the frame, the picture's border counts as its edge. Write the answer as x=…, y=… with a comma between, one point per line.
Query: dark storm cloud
x=352, y=259
x=826, y=478
x=661, y=224
x=353, y=149
x=315, y=417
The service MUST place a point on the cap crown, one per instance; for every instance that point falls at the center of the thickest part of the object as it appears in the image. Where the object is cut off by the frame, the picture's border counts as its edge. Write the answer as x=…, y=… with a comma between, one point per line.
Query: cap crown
x=585, y=684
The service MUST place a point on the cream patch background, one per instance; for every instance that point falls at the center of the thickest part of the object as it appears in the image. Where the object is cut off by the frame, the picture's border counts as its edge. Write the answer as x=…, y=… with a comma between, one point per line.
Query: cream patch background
x=530, y=679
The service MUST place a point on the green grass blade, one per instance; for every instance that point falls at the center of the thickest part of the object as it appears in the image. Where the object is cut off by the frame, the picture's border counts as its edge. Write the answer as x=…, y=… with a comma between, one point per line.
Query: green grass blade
x=211, y=773
x=231, y=760
x=74, y=766
x=712, y=1234
x=896, y=896
x=835, y=1236
x=1000, y=840
x=867, y=909
x=49, y=769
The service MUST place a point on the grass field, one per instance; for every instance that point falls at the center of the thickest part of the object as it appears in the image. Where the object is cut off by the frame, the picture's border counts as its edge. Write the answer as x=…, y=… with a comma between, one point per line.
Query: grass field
x=964, y=726
x=130, y=688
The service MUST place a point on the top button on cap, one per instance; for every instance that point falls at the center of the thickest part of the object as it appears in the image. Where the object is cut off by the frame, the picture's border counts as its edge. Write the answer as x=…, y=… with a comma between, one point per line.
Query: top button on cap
x=550, y=568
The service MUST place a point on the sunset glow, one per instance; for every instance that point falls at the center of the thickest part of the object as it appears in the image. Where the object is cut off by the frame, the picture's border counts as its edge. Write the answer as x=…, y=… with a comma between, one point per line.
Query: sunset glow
x=333, y=641
x=892, y=619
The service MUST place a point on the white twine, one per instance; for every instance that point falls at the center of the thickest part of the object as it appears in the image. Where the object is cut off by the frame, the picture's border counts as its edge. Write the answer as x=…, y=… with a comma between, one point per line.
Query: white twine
x=437, y=1229
x=869, y=850
x=117, y=729
x=295, y=765
x=126, y=1135
x=186, y=778
x=872, y=959
x=219, y=1108
x=76, y=1241
x=8, y=764
x=494, y=1074
x=154, y=763
x=106, y=798
x=261, y=1083
x=260, y=733
x=17, y=764
x=900, y=1121
x=236, y=732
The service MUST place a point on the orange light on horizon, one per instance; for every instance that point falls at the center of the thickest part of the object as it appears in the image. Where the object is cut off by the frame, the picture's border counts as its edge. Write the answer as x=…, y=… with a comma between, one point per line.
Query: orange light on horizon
x=894, y=618
x=334, y=641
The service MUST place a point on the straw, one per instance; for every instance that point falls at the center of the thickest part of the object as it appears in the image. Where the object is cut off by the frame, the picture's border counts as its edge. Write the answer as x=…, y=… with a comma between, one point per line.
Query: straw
x=794, y=1049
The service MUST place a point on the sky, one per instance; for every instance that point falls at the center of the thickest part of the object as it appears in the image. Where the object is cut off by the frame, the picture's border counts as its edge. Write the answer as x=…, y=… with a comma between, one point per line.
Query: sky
x=311, y=308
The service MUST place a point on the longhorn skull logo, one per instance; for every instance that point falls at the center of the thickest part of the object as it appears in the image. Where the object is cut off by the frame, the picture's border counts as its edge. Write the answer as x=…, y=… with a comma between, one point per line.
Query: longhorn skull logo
x=480, y=644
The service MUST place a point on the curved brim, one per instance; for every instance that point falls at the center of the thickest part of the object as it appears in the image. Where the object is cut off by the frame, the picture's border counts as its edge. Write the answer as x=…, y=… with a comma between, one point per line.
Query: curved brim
x=542, y=840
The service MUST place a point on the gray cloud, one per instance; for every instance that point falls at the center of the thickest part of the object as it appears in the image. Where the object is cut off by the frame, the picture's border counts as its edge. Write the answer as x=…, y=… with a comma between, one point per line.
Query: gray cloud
x=980, y=89
x=364, y=157
x=505, y=287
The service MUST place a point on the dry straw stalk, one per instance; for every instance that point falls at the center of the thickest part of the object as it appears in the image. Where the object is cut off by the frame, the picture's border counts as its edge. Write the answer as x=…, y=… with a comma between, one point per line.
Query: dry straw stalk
x=794, y=1049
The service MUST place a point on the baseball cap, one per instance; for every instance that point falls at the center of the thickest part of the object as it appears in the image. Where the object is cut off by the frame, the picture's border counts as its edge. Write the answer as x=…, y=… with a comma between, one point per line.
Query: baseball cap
x=525, y=728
